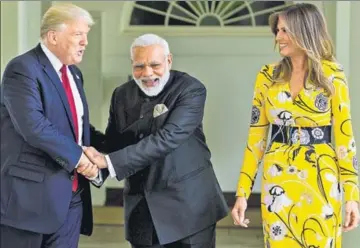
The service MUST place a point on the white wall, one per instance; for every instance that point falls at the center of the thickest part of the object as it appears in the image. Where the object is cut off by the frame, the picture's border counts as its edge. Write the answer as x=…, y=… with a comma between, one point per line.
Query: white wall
x=228, y=71
x=17, y=33
x=352, y=239
x=9, y=34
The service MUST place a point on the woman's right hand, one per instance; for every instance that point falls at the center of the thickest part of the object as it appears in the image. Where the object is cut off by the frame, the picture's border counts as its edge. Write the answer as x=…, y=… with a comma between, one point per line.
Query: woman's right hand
x=238, y=212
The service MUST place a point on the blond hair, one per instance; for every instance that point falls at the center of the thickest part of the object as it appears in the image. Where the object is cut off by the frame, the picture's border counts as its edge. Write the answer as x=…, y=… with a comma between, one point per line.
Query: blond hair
x=306, y=27
x=57, y=15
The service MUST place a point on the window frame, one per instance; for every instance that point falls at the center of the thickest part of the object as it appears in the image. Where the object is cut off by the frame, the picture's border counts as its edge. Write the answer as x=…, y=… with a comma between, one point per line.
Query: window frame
x=131, y=30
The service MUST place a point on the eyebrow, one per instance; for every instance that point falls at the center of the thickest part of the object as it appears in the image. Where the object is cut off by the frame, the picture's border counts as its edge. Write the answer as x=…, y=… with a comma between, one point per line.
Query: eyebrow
x=151, y=63
x=79, y=32
x=280, y=28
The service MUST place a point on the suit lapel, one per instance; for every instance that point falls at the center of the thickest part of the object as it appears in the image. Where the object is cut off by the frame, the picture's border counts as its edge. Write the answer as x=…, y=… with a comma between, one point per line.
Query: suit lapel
x=54, y=78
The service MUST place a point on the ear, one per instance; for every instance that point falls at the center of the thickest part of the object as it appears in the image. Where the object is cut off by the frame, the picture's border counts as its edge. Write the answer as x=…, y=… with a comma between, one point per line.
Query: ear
x=169, y=60
x=52, y=37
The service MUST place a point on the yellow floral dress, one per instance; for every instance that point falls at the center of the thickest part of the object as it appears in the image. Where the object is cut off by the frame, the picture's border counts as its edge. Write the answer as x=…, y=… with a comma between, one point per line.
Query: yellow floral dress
x=305, y=174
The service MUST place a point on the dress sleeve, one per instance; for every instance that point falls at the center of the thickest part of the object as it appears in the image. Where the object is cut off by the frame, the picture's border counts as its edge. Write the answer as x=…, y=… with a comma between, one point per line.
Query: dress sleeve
x=257, y=136
x=344, y=137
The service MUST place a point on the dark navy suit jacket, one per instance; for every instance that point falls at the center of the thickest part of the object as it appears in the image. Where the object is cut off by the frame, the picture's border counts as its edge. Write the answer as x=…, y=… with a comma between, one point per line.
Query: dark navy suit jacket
x=38, y=148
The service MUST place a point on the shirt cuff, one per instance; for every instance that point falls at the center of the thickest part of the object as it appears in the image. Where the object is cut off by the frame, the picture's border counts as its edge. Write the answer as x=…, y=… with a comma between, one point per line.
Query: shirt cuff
x=98, y=180
x=110, y=167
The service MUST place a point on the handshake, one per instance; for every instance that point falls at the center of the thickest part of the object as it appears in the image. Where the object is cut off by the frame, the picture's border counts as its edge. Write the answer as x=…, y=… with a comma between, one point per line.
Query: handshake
x=90, y=162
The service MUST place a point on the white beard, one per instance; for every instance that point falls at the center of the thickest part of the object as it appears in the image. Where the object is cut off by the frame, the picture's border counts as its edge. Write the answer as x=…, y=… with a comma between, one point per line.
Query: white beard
x=155, y=90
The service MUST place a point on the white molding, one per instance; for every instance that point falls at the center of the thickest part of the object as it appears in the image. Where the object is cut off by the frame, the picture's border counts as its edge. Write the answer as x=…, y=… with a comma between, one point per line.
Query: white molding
x=126, y=15
x=199, y=31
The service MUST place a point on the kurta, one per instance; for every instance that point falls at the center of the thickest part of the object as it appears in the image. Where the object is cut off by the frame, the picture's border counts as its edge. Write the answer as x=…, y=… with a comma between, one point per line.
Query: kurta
x=309, y=159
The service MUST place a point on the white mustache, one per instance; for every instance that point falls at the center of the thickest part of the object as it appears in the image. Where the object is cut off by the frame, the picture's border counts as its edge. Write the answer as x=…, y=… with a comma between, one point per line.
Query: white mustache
x=148, y=79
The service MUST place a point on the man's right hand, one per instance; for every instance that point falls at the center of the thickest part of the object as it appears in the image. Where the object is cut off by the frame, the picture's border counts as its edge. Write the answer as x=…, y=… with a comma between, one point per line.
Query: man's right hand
x=86, y=168
x=96, y=157
x=238, y=212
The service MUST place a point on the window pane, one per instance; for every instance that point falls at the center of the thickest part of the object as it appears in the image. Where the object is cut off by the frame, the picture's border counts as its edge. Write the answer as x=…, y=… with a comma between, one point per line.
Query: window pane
x=159, y=5
x=142, y=17
x=175, y=22
x=187, y=7
x=188, y=17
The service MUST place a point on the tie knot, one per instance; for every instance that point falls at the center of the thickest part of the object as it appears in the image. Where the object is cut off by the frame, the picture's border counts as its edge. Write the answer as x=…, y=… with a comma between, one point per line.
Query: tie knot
x=63, y=69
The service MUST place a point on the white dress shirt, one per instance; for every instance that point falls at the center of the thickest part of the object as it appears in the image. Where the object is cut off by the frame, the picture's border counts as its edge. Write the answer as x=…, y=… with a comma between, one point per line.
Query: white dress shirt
x=110, y=167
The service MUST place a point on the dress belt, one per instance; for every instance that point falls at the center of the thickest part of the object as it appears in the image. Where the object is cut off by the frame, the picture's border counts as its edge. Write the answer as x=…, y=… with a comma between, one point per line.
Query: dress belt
x=300, y=135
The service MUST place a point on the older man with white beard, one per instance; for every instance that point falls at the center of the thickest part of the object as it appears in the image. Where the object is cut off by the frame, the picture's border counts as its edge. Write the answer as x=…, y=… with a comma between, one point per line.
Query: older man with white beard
x=156, y=142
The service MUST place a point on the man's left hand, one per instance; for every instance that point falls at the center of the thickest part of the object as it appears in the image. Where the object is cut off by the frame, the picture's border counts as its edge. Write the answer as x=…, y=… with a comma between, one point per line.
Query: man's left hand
x=95, y=157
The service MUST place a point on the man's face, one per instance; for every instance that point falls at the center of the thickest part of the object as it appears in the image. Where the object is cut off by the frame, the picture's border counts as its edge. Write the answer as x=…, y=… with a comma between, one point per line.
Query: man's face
x=151, y=68
x=69, y=43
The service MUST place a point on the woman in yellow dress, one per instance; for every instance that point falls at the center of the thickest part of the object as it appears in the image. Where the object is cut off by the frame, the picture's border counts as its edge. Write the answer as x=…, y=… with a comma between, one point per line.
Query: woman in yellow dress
x=304, y=99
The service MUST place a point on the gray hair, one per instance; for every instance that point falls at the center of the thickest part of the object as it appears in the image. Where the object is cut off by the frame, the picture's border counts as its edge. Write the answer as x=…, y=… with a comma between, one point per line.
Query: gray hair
x=57, y=15
x=148, y=40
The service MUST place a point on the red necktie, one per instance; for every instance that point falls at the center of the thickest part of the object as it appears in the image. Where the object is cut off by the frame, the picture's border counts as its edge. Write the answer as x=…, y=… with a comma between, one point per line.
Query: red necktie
x=70, y=97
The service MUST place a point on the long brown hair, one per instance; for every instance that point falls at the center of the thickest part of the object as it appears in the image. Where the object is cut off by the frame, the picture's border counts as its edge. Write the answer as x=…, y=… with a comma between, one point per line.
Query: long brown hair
x=307, y=28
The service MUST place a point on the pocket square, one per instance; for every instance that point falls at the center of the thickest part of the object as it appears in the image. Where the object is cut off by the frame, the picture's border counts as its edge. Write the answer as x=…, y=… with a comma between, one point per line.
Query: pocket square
x=159, y=109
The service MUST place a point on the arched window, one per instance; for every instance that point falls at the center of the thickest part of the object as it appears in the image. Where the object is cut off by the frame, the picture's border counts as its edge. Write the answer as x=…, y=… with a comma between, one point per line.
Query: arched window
x=204, y=13
x=181, y=18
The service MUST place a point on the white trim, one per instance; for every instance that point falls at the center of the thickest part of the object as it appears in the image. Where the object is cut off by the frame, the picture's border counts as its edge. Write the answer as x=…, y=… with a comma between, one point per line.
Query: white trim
x=126, y=15
x=199, y=31
x=190, y=4
x=237, y=9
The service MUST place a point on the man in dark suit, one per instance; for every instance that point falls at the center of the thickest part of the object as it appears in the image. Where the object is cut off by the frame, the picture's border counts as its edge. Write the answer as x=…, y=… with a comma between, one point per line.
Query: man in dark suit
x=155, y=138
x=45, y=192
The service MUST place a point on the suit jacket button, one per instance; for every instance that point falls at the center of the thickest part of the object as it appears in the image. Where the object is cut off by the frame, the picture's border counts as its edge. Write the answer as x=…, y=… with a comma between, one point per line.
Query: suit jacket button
x=141, y=135
x=141, y=116
x=72, y=177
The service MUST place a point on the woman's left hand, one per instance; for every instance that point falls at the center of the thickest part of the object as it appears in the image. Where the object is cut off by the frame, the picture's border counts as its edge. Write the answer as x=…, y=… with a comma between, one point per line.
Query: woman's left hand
x=352, y=216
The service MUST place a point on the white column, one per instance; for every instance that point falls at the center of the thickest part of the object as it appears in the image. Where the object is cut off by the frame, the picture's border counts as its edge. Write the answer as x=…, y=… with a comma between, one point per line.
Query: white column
x=9, y=32
x=343, y=16
x=352, y=239
x=28, y=24
x=329, y=10
x=20, y=28
x=348, y=54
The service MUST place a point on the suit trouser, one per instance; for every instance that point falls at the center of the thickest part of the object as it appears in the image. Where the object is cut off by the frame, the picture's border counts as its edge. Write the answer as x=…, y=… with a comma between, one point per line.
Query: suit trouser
x=67, y=236
x=203, y=239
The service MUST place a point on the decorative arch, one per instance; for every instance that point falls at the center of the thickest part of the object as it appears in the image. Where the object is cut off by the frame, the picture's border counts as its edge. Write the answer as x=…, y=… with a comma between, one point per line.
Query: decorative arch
x=199, y=17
